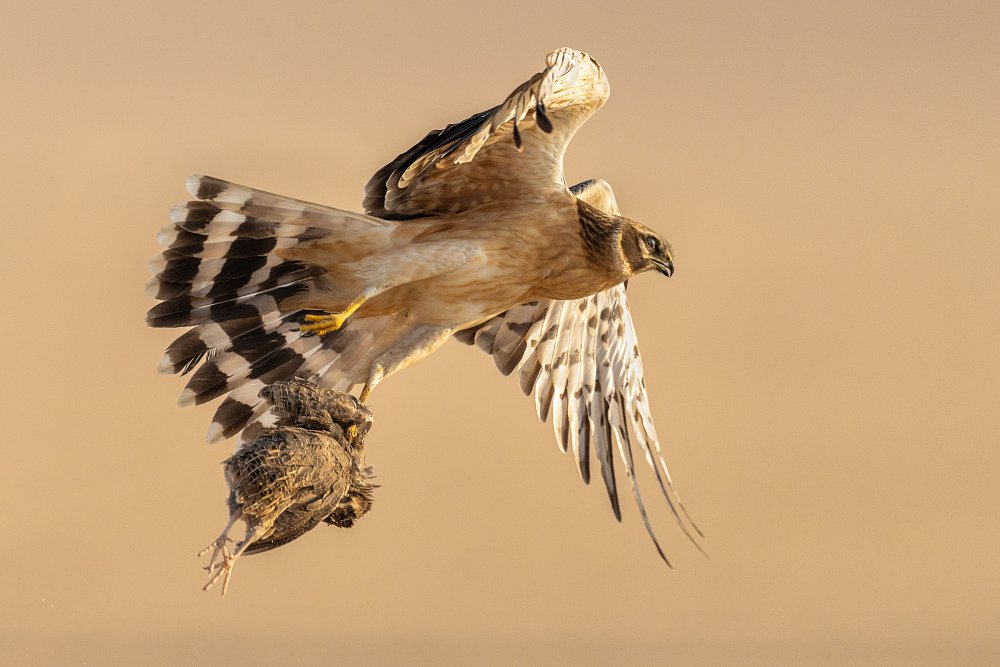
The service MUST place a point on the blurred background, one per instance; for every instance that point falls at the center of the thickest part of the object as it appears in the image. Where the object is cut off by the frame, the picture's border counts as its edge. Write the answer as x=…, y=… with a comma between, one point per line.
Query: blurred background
x=824, y=365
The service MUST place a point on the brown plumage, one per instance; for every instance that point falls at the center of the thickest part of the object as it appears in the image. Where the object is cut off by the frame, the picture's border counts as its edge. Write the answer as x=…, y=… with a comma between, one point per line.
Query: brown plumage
x=286, y=478
x=474, y=233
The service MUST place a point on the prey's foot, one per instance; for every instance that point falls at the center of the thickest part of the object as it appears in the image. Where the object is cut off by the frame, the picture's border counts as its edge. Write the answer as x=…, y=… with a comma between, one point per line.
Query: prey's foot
x=223, y=569
x=218, y=549
x=324, y=324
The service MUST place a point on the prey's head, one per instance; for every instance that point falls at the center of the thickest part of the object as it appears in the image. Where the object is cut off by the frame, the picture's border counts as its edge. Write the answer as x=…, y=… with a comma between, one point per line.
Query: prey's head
x=645, y=250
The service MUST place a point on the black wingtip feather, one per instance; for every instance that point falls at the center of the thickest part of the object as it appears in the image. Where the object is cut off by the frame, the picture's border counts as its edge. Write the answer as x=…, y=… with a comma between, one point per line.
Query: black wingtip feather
x=542, y=119
x=385, y=178
x=585, y=456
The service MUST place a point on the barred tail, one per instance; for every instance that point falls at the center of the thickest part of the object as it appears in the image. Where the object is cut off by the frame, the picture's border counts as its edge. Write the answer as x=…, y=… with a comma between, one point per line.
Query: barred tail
x=229, y=272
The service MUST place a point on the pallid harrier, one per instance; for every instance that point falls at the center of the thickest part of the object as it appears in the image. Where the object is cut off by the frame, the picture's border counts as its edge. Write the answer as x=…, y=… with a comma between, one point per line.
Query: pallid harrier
x=472, y=233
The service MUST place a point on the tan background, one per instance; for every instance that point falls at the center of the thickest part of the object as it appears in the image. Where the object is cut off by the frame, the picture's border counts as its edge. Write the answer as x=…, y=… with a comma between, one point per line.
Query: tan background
x=824, y=364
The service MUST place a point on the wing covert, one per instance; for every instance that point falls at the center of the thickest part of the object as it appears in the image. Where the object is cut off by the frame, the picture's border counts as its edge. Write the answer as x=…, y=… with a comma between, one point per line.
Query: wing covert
x=516, y=146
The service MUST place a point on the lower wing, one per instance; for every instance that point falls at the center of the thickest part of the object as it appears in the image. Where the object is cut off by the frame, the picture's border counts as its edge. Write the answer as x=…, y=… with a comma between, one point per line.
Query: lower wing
x=581, y=360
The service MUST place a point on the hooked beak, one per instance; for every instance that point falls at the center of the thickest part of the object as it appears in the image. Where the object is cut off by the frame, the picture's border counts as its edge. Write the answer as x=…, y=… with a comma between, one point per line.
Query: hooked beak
x=666, y=268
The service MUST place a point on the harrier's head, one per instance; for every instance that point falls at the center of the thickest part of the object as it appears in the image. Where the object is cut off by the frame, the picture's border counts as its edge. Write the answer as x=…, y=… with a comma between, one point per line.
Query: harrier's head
x=602, y=225
x=644, y=249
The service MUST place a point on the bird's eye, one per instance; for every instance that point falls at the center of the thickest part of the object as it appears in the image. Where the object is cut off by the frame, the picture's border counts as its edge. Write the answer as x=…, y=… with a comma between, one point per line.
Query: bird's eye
x=653, y=244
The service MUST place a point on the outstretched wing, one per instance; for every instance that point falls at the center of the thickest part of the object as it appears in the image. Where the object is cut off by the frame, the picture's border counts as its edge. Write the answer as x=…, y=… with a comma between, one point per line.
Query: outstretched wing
x=517, y=146
x=581, y=360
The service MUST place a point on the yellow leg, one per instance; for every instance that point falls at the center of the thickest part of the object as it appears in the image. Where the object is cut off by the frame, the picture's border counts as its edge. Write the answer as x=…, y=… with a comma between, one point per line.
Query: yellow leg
x=324, y=324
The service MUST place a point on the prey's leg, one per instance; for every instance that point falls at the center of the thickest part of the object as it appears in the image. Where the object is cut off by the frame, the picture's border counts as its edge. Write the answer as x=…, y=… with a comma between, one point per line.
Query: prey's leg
x=224, y=569
x=218, y=547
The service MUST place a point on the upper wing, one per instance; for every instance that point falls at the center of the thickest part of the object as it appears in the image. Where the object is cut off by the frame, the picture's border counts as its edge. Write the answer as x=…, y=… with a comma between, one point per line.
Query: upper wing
x=517, y=146
x=581, y=360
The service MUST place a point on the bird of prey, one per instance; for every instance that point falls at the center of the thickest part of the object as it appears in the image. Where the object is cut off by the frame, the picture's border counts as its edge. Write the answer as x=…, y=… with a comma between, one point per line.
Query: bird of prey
x=472, y=232
x=285, y=479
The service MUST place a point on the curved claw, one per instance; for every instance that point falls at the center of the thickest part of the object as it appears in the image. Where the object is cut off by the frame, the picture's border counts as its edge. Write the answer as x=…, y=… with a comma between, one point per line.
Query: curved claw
x=324, y=324
x=223, y=569
x=216, y=567
x=217, y=547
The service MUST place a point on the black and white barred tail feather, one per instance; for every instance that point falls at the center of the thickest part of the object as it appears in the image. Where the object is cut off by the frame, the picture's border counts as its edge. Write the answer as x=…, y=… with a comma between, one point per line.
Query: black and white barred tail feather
x=332, y=361
x=227, y=271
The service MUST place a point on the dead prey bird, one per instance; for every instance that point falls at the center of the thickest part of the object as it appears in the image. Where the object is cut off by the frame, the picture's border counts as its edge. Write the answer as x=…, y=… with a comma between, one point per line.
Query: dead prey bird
x=306, y=468
x=474, y=233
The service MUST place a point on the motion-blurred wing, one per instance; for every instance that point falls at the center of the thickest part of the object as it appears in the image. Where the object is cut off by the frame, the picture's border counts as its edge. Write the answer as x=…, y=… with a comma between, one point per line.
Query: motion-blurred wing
x=516, y=147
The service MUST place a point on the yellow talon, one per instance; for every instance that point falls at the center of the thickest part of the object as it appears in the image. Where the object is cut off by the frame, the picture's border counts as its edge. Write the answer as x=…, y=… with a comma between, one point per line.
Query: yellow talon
x=324, y=324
